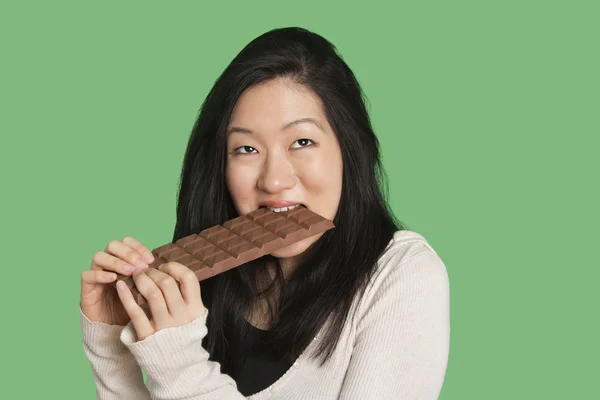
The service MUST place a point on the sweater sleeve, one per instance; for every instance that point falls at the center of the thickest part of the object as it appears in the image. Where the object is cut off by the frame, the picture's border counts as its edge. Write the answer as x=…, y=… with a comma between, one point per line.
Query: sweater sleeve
x=177, y=365
x=403, y=332
x=115, y=371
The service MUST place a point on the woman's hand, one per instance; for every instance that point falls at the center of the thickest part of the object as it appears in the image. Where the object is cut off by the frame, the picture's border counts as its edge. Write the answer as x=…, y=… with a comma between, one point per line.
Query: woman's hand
x=170, y=304
x=100, y=302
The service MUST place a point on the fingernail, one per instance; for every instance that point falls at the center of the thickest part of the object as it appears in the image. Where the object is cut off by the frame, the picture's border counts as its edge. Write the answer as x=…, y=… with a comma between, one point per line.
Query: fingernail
x=148, y=257
x=141, y=264
x=128, y=268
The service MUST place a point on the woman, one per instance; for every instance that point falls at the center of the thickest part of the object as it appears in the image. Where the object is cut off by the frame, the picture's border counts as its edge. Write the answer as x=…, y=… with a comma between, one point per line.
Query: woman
x=358, y=312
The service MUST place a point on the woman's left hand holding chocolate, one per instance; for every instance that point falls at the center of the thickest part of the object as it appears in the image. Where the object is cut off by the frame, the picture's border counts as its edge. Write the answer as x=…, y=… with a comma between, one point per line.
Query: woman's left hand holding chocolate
x=170, y=305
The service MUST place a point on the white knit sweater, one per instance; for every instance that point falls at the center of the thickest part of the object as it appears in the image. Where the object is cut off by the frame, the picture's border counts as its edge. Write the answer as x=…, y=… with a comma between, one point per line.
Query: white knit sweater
x=395, y=345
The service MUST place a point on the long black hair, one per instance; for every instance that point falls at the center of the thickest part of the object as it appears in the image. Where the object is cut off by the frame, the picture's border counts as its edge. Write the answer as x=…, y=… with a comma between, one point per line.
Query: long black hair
x=339, y=265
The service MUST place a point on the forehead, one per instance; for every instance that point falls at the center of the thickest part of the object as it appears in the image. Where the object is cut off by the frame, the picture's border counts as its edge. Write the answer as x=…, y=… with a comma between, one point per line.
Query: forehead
x=275, y=103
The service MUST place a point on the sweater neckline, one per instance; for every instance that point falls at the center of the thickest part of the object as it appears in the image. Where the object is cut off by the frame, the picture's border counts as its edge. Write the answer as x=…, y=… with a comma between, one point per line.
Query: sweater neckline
x=254, y=328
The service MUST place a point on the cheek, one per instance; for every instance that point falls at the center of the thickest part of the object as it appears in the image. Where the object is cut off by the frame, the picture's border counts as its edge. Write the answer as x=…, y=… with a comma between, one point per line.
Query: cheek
x=322, y=180
x=323, y=173
x=240, y=183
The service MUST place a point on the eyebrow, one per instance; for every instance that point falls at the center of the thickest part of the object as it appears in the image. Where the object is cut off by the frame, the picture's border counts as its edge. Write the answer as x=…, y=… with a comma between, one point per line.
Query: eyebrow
x=284, y=127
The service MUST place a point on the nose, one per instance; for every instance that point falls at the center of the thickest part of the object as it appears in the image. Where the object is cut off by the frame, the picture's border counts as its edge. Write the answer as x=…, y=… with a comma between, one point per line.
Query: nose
x=277, y=174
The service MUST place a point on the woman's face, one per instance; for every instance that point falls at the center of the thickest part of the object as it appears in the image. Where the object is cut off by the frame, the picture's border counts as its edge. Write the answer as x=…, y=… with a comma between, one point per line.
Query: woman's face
x=269, y=159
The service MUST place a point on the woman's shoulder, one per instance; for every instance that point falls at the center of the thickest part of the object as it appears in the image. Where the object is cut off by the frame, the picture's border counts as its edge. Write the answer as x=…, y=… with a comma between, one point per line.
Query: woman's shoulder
x=408, y=257
x=404, y=245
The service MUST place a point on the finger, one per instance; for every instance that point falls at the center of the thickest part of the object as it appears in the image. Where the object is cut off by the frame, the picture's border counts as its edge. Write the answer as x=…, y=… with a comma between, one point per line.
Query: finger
x=89, y=279
x=125, y=253
x=153, y=295
x=189, y=284
x=105, y=261
x=142, y=250
x=97, y=276
x=139, y=319
x=170, y=290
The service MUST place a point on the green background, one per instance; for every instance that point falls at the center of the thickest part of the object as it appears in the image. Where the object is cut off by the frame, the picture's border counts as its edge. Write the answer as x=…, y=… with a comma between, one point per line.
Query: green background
x=488, y=114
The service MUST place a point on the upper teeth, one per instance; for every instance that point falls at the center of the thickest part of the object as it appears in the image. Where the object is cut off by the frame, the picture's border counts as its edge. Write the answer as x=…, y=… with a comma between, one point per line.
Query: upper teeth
x=283, y=208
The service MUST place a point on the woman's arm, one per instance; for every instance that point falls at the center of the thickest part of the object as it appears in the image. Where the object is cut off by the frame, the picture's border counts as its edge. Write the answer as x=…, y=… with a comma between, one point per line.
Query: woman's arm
x=403, y=333
x=177, y=365
x=116, y=373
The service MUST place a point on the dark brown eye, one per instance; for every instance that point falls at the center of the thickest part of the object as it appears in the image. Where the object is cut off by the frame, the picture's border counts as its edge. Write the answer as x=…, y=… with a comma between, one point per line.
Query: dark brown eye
x=303, y=143
x=247, y=149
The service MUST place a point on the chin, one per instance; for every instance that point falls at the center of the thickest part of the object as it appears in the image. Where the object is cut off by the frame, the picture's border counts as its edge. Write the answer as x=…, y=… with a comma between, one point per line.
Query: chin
x=297, y=248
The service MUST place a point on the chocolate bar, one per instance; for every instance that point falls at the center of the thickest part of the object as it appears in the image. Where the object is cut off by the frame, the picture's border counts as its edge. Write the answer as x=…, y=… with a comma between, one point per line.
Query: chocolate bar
x=223, y=247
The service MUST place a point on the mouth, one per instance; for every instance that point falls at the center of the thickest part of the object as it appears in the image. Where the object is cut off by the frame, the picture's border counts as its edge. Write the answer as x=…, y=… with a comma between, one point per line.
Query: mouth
x=283, y=209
